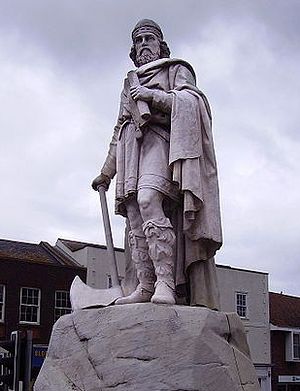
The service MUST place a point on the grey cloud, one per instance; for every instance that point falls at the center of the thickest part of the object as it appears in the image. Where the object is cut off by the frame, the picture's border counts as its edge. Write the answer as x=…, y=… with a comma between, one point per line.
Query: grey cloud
x=62, y=64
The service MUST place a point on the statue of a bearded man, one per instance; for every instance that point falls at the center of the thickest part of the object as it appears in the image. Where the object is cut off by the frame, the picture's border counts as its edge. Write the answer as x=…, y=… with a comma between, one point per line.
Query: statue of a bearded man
x=166, y=183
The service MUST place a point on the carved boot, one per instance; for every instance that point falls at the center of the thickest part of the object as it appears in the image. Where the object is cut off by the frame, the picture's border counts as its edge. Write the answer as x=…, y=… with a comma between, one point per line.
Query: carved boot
x=161, y=241
x=144, y=268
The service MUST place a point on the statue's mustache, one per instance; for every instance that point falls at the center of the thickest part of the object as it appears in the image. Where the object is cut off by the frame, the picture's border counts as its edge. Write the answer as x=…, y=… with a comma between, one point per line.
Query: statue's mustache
x=145, y=49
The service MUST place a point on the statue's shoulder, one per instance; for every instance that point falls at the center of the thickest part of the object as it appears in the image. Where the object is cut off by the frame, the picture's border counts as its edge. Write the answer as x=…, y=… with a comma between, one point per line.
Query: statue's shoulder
x=180, y=62
x=163, y=63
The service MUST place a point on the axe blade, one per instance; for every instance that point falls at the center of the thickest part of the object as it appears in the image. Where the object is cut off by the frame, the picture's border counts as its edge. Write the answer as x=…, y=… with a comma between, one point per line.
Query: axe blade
x=83, y=296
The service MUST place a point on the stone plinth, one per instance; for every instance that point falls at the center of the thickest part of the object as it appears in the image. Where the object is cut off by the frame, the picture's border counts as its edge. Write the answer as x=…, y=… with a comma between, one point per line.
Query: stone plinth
x=148, y=347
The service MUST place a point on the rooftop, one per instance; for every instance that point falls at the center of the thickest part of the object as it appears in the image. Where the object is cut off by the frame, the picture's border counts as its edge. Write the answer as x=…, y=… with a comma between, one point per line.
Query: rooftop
x=284, y=310
x=240, y=269
x=74, y=245
x=42, y=253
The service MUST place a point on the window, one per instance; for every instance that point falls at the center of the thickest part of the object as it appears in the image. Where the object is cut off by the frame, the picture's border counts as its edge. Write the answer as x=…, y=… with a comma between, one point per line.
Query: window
x=292, y=345
x=2, y=302
x=241, y=304
x=62, y=304
x=30, y=305
x=296, y=346
x=109, y=281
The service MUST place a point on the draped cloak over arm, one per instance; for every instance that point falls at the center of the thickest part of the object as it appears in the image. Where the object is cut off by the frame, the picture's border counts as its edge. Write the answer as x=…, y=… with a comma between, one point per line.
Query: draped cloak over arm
x=194, y=166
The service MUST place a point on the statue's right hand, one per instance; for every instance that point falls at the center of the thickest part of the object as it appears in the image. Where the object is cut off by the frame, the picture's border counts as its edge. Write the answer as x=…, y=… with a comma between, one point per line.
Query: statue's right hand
x=101, y=180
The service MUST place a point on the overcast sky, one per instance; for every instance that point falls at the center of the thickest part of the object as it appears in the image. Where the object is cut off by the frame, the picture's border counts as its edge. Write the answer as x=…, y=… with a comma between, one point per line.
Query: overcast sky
x=62, y=65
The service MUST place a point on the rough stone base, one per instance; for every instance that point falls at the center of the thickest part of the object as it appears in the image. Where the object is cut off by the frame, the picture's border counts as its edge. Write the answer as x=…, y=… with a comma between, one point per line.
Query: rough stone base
x=148, y=347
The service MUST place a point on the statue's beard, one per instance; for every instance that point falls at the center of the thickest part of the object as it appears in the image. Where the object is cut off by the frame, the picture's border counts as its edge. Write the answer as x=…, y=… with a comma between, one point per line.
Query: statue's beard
x=145, y=57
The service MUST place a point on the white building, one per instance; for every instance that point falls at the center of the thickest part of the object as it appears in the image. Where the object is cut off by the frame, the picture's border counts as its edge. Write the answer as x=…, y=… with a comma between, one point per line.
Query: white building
x=94, y=258
x=246, y=292
x=241, y=291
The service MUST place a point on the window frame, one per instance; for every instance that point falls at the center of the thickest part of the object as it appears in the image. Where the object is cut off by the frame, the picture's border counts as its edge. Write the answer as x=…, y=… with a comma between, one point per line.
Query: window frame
x=38, y=306
x=289, y=345
x=245, y=306
x=2, y=317
x=61, y=308
x=296, y=358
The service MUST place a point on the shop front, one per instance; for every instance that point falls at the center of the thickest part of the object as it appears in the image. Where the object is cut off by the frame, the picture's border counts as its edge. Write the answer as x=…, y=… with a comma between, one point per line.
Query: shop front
x=288, y=383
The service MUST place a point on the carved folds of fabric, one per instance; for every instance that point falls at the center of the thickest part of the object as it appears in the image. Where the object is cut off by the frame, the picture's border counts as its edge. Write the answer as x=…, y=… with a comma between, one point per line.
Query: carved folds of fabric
x=161, y=240
x=140, y=256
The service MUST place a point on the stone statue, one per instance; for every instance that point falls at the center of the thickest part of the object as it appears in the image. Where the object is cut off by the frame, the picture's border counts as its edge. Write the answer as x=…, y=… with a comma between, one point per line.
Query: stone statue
x=162, y=154
x=163, y=157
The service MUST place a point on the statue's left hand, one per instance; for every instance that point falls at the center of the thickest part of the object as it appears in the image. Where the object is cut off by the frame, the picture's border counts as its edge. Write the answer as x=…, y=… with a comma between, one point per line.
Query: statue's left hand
x=141, y=93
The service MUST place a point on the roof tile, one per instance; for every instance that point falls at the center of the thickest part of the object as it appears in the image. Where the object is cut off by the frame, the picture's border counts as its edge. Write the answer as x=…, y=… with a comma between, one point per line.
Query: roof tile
x=34, y=253
x=284, y=310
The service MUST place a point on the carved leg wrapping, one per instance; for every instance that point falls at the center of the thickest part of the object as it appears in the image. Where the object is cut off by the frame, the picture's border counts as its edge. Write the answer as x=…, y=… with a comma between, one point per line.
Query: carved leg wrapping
x=161, y=241
x=144, y=268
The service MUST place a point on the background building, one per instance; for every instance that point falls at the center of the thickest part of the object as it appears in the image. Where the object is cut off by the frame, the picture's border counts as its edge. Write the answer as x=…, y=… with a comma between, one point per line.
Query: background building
x=95, y=258
x=246, y=292
x=285, y=342
x=35, y=280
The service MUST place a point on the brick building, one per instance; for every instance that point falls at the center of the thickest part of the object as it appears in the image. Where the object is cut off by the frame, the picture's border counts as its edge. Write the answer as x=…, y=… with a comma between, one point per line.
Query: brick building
x=34, y=287
x=285, y=342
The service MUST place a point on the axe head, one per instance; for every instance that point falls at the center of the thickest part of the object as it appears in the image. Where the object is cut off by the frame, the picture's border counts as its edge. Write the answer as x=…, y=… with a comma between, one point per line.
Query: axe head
x=83, y=296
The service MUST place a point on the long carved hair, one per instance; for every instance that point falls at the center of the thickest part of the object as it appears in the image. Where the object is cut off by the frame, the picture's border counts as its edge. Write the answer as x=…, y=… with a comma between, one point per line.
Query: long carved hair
x=164, y=52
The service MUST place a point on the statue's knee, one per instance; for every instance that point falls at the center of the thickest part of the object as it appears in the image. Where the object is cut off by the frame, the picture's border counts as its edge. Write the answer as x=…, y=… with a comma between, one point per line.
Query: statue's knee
x=144, y=200
x=150, y=203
